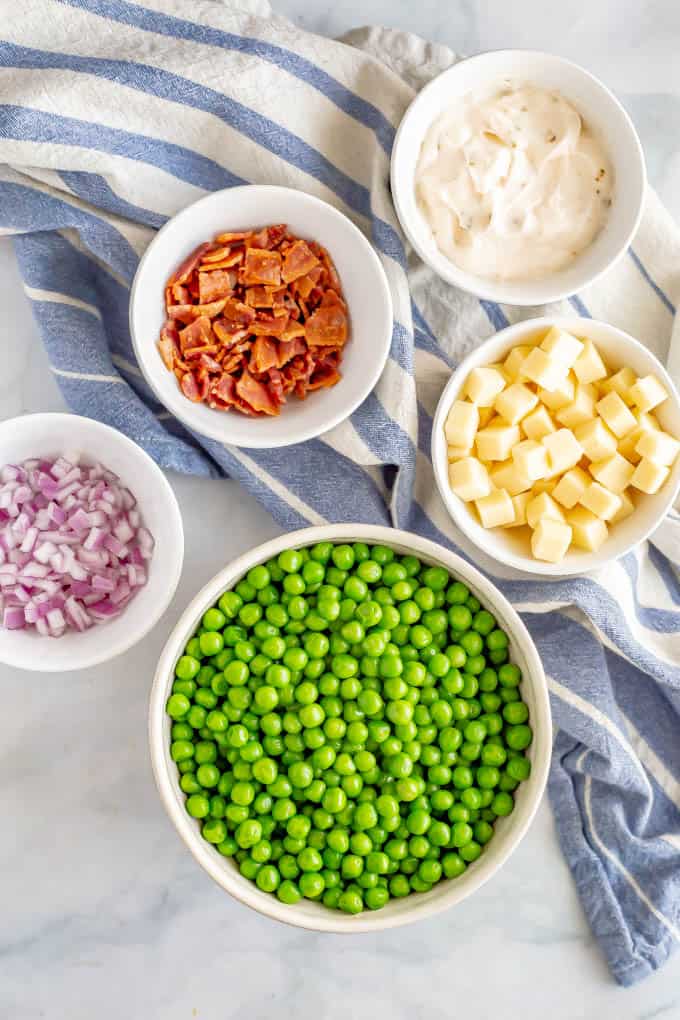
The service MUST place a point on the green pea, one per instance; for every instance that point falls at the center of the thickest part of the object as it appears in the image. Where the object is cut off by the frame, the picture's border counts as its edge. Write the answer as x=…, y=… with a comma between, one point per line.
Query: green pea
x=518, y=737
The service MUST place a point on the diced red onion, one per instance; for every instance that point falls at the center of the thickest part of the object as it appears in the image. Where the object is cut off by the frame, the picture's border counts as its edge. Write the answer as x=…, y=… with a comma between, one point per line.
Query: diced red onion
x=115, y=546
x=35, y=570
x=122, y=591
x=63, y=494
x=43, y=552
x=13, y=618
x=103, y=584
x=146, y=543
x=96, y=559
x=59, y=468
x=80, y=520
x=22, y=493
x=76, y=614
x=29, y=541
x=56, y=514
x=95, y=539
x=73, y=548
x=122, y=530
x=74, y=475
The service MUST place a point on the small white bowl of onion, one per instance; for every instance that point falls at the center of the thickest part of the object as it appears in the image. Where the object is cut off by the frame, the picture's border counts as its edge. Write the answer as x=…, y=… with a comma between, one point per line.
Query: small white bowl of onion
x=512, y=545
x=91, y=542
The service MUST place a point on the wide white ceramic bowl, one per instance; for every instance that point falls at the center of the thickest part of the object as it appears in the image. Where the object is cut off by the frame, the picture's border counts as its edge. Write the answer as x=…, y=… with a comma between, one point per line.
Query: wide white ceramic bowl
x=49, y=435
x=600, y=110
x=509, y=830
x=365, y=288
x=618, y=349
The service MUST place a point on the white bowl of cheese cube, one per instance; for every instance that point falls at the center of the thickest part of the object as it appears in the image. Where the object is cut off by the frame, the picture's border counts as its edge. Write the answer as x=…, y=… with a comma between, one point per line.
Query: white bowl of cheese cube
x=555, y=445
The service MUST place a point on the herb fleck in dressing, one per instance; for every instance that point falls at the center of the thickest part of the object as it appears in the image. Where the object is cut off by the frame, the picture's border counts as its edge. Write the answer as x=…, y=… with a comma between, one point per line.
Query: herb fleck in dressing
x=512, y=183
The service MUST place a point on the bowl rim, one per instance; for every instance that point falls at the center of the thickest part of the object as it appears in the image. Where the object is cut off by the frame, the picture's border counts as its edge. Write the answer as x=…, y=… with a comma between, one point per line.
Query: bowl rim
x=488, y=289
x=456, y=509
x=57, y=420
x=247, y=892
x=370, y=378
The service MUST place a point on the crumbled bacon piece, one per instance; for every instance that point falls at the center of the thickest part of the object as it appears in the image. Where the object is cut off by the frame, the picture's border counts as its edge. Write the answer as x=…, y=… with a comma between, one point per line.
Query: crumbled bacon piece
x=252, y=317
x=190, y=388
x=197, y=334
x=187, y=268
x=168, y=345
x=215, y=284
x=264, y=355
x=256, y=394
x=262, y=266
x=327, y=326
x=298, y=261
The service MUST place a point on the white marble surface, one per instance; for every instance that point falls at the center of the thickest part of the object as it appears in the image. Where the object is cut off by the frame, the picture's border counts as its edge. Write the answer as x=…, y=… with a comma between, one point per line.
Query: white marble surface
x=102, y=911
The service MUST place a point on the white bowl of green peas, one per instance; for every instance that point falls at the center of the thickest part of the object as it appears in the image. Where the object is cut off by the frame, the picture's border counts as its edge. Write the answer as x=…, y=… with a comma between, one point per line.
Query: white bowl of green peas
x=350, y=728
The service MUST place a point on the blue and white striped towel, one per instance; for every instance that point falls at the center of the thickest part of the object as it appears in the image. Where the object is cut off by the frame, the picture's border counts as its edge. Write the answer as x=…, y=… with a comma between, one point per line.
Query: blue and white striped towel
x=115, y=115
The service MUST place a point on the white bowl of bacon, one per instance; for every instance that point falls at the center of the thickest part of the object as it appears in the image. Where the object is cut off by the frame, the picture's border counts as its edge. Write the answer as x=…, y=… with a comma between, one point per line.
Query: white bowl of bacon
x=261, y=316
x=91, y=542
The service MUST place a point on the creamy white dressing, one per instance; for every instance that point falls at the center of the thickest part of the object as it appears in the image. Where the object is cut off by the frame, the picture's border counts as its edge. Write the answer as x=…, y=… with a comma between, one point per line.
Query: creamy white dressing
x=512, y=183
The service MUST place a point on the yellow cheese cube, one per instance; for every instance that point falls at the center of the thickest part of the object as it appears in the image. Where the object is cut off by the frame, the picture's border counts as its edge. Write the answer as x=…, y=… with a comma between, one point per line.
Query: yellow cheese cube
x=564, y=450
x=550, y=540
x=515, y=402
x=571, y=487
x=496, y=509
x=647, y=393
x=483, y=385
x=620, y=383
x=544, y=485
x=581, y=409
x=542, y=506
x=613, y=472
x=519, y=503
x=658, y=447
x=649, y=477
x=587, y=531
x=512, y=365
x=646, y=420
x=496, y=441
x=596, y=439
x=625, y=510
x=538, y=424
x=600, y=501
x=457, y=452
x=616, y=415
x=542, y=369
x=508, y=476
x=469, y=479
x=531, y=459
x=462, y=423
x=646, y=423
x=486, y=414
x=562, y=347
x=589, y=366
x=560, y=396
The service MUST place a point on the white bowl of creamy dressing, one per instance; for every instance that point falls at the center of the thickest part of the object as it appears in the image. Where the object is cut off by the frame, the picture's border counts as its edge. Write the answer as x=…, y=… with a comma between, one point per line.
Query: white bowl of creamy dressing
x=518, y=177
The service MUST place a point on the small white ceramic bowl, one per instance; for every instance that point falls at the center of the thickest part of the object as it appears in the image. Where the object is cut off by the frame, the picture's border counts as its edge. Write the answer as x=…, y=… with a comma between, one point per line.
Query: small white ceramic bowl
x=51, y=435
x=618, y=349
x=600, y=110
x=365, y=288
x=509, y=830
